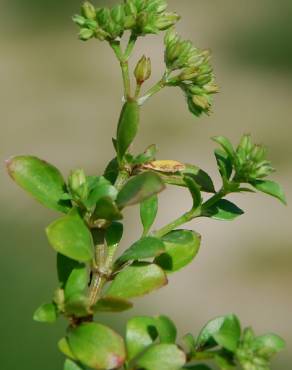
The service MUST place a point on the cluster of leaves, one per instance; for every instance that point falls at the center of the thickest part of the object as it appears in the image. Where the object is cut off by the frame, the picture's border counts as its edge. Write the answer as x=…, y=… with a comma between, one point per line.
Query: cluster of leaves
x=92, y=277
x=139, y=16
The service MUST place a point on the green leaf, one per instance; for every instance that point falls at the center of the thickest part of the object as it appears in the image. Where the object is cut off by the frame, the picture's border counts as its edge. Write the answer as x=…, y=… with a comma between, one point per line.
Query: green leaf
x=112, y=171
x=70, y=365
x=223, y=330
x=166, y=329
x=65, y=349
x=42, y=180
x=189, y=342
x=148, y=212
x=139, y=188
x=113, y=234
x=201, y=177
x=148, y=156
x=144, y=248
x=112, y=304
x=226, y=145
x=77, y=281
x=268, y=345
x=141, y=332
x=162, y=357
x=223, y=210
x=46, y=313
x=127, y=127
x=137, y=280
x=106, y=209
x=229, y=333
x=224, y=163
x=65, y=266
x=181, y=248
x=271, y=188
x=78, y=305
x=71, y=237
x=97, y=346
x=101, y=188
x=194, y=190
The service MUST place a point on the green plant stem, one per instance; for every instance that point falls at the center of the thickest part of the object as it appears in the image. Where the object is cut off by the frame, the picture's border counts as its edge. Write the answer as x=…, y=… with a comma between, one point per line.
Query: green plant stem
x=122, y=178
x=186, y=217
x=130, y=46
x=214, y=199
x=154, y=90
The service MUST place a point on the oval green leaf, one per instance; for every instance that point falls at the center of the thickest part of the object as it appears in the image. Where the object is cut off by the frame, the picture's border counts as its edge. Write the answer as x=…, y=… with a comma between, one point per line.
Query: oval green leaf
x=46, y=313
x=71, y=237
x=112, y=304
x=224, y=331
x=166, y=329
x=137, y=280
x=127, y=127
x=97, y=346
x=271, y=188
x=70, y=365
x=181, y=248
x=141, y=332
x=144, y=248
x=63, y=346
x=162, y=357
x=139, y=188
x=41, y=179
x=223, y=210
x=148, y=212
x=77, y=281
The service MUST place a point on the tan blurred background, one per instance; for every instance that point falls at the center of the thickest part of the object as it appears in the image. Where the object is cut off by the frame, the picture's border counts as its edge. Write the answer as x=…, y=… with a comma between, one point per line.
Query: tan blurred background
x=60, y=100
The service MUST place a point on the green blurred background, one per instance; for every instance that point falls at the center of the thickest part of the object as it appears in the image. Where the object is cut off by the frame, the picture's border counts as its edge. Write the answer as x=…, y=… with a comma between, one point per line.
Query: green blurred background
x=60, y=100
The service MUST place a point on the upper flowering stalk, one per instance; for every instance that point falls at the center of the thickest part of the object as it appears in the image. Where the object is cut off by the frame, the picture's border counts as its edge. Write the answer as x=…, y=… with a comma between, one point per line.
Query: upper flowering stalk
x=195, y=74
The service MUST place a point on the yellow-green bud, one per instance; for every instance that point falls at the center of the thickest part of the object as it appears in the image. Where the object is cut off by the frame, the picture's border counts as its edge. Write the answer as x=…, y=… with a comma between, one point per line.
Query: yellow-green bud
x=201, y=101
x=88, y=10
x=78, y=184
x=143, y=70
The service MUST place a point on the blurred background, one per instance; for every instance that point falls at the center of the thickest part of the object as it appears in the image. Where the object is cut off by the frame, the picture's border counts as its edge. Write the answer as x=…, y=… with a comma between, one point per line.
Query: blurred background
x=60, y=100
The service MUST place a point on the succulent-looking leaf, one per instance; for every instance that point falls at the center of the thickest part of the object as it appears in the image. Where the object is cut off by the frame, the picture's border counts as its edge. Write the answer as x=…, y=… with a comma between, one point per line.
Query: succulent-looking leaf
x=141, y=332
x=97, y=346
x=181, y=248
x=139, y=188
x=112, y=171
x=226, y=145
x=46, y=313
x=65, y=266
x=201, y=177
x=162, y=357
x=77, y=281
x=166, y=329
x=137, y=280
x=267, y=345
x=100, y=188
x=106, y=209
x=167, y=166
x=65, y=349
x=41, y=179
x=223, y=210
x=70, y=365
x=71, y=237
x=112, y=304
x=127, y=127
x=114, y=234
x=223, y=330
x=148, y=247
x=148, y=212
x=78, y=305
x=270, y=187
x=224, y=163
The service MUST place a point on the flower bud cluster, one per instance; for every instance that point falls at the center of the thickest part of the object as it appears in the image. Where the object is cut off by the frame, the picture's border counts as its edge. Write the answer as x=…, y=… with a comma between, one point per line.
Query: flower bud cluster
x=148, y=16
x=140, y=16
x=196, y=77
x=251, y=163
